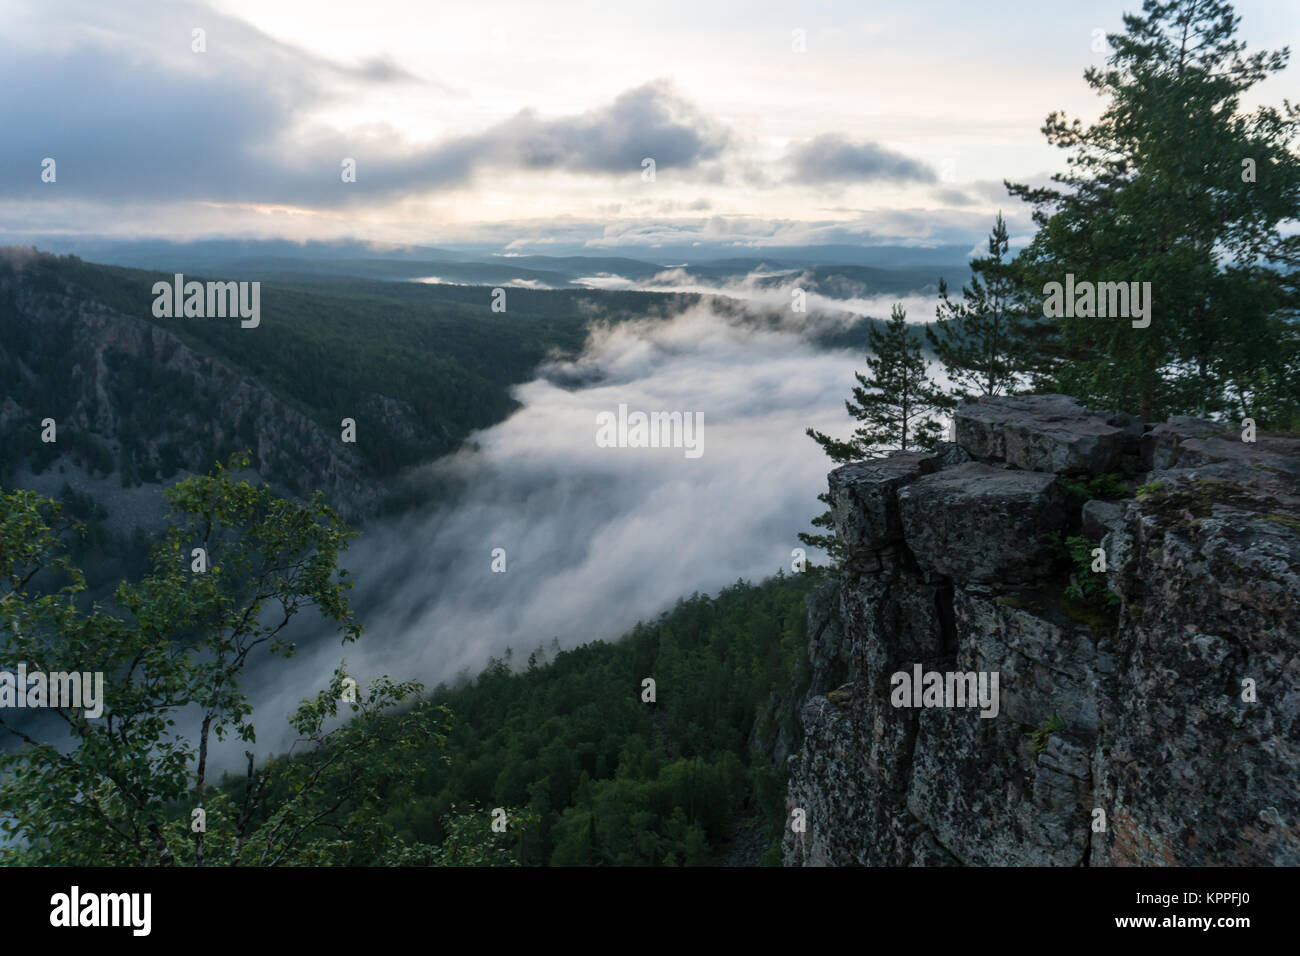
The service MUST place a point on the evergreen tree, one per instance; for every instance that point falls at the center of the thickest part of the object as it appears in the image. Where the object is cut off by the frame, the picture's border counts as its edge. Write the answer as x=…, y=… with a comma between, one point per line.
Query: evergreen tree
x=896, y=405
x=1176, y=187
x=983, y=341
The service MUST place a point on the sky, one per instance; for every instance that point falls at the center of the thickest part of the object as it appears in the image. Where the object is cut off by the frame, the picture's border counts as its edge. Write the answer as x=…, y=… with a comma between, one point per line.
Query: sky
x=527, y=124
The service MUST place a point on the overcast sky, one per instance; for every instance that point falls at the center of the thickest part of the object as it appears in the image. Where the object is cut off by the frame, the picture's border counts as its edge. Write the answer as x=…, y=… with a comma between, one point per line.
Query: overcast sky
x=528, y=122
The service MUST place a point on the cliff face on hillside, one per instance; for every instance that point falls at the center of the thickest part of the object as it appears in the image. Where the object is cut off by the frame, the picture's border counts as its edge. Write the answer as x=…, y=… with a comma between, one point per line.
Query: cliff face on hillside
x=1146, y=714
x=134, y=404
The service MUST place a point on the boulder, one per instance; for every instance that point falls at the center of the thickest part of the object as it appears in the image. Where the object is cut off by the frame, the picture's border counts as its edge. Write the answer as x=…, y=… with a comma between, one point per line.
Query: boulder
x=1101, y=517
x=976, y=523
x=1053, y=433
x=864, y=505
x=1160, y=446
x=1174, y=446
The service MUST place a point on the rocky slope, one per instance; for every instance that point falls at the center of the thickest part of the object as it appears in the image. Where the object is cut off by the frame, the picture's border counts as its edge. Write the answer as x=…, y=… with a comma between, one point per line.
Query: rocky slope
x=129, y=396
x=1149, y=721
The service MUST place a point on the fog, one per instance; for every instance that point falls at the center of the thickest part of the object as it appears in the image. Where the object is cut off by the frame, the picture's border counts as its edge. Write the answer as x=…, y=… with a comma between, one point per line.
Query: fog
x=595, y=538
x=758, y=289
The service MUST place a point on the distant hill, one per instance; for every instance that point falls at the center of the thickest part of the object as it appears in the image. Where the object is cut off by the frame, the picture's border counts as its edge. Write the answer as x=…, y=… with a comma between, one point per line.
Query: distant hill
x=468, y=273
x=140, y=401
x=571, y=260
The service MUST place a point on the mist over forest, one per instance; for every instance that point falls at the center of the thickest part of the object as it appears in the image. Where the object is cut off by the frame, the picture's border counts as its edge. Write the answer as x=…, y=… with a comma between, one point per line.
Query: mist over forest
x=504, y=435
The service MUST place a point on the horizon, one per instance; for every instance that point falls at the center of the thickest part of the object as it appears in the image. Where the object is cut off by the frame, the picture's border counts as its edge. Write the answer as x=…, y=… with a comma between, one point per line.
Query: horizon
x=848, y=133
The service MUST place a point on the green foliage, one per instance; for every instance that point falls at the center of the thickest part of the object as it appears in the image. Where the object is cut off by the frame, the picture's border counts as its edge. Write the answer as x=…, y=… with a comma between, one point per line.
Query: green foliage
x=1104, y=486
x=180, y=643
x=586, y=772
x=1086, y=584
x=1146, y=491
x=610, y=779
x=469, y=840
x=983, y=341
x=1157, y=193
x=1039, y=737
x=827, y=542
x=896, y=405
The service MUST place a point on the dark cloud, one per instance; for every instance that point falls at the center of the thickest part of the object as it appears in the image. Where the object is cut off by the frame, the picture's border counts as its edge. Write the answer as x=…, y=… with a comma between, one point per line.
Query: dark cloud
x=383, y=70
x=954, y=197
x=139, y=116
x=649, y=121
x=164, y=132
x=833, y=159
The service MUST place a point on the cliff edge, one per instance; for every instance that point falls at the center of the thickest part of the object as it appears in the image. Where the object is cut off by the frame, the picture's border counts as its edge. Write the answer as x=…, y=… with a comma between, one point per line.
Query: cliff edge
x=1074, y=642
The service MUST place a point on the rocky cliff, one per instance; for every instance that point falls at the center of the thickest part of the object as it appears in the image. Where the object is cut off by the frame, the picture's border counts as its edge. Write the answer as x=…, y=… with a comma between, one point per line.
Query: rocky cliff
x=1134, y=591
x=128, y=396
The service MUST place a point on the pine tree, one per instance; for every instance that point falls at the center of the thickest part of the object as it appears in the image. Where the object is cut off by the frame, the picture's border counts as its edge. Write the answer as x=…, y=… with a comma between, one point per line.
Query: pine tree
x=1175, y=186
x=983, y=341
x=896, y=405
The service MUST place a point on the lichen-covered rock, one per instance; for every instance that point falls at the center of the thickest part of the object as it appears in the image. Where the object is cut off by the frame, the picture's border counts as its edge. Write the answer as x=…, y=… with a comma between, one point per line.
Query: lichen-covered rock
x=1162, y=730
x=1187, y=446
x=864, y=505
x=1101, y=517
x=983, y=524
x=829, y=653
x=822, y=829
x=1202, y=764
x=1046, y=433
x=1160, y=445
x=977, y=784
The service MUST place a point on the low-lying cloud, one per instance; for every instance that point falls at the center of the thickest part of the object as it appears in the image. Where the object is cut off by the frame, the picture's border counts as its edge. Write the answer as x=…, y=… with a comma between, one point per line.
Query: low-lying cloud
x=595, y=538
x=773, y=292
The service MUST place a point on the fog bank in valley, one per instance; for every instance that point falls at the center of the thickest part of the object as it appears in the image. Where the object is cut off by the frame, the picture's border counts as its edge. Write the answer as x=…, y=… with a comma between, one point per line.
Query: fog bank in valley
x=595, y=538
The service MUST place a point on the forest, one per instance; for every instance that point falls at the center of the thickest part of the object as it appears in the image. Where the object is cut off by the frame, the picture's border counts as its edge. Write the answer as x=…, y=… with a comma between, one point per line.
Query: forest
x=559, y=758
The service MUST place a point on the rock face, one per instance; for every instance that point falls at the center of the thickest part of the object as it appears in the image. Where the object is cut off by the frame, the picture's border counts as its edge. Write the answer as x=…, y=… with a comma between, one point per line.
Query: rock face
x=1047, y=433
x=1008, y=516
x=194, y=412
x=1146, y=714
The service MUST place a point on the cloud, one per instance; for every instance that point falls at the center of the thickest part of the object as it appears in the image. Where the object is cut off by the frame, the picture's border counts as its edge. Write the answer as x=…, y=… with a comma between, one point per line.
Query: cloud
x=595, y=538
x=138, y=116
x=771, y=295
x=834, y=159
x=649, y=121
x=954, y=197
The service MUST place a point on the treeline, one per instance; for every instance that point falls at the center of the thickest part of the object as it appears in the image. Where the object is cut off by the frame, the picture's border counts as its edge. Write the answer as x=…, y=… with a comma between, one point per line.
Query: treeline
x=608, y=778
x=581, y=757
